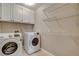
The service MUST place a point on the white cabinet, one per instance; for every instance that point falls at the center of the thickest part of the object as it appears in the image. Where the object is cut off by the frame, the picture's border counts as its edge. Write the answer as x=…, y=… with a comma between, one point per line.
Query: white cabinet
x=12, y=11
x=6, y=12
x=28, y=16
x=0, y=11
x=17, y=13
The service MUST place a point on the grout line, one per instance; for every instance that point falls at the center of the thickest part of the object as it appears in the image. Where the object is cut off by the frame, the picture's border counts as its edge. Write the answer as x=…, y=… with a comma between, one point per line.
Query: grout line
x=47, y=52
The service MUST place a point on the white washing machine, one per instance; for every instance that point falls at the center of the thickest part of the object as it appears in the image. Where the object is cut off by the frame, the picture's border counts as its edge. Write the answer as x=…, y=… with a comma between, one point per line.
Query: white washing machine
x=10, y=44
x=31, y=42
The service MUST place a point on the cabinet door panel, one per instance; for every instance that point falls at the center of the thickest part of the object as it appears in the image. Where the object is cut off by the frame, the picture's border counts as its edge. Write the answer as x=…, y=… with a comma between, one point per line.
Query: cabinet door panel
x=28, y=16
x=12, y=11
x=18, y=13
x=6, y=12
x=0, y=11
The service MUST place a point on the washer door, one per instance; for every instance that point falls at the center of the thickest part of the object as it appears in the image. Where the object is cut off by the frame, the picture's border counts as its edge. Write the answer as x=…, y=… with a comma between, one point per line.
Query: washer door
x=9, y=48
x=35, y=42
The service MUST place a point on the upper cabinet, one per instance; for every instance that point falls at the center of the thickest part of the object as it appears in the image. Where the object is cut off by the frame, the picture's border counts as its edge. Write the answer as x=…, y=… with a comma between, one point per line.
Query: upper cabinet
x=28, y=16
x=0, y=11
x=5, y=12
x=16, y=13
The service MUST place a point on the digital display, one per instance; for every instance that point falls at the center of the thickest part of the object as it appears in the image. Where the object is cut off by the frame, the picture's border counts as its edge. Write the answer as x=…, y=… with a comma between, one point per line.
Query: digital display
x=16, y=35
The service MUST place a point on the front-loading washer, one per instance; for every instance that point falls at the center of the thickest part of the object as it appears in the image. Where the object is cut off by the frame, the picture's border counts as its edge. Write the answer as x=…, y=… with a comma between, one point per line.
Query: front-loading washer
x=10, y=44
x=31, y=42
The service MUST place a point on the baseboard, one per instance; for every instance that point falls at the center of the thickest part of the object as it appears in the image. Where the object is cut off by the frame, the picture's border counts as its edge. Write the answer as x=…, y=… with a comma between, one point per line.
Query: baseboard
x=47, y=52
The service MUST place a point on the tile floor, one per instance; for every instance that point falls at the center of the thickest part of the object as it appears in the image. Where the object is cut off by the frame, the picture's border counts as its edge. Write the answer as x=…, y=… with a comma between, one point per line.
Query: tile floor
x=39, y=53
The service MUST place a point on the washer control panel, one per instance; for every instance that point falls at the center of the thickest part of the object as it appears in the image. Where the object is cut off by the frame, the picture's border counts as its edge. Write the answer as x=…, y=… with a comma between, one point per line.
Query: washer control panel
x=10, y=35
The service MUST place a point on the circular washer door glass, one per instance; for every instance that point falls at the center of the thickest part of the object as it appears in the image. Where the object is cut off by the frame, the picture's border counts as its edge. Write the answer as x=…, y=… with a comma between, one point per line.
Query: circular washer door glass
x=9, y=48
x=35, y=41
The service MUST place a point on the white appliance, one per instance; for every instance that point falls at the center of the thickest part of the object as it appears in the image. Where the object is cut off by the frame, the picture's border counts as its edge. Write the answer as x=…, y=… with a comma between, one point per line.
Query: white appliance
x=31, y=42
x=10, y=44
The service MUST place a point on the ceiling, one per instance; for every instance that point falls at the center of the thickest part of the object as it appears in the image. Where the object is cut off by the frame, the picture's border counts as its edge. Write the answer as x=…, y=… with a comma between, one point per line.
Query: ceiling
x=36, y=6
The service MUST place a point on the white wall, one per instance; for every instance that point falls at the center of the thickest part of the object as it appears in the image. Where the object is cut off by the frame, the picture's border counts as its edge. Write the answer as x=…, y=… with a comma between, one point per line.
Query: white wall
x=60, y=37
x=11, y=27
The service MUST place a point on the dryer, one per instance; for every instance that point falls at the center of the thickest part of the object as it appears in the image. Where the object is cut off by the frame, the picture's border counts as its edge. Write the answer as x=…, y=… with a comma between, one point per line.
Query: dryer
x=31, y=42
x=10, y=44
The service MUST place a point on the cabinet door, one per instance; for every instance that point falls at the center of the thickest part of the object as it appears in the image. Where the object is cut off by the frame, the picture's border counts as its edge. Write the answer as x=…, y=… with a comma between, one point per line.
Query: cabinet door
x=28, y=16
x=31, y=16
x=6, y=12
x=18, y=13
x=0, y=11
x=12, y=11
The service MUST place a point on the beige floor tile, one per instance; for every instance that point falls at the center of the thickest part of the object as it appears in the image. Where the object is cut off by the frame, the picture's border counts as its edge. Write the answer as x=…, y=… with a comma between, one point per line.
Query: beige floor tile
x=39, y=53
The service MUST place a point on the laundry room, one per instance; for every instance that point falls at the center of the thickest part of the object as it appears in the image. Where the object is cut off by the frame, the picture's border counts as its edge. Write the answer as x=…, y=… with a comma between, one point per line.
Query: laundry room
x=39, y=29
x=17, y=21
